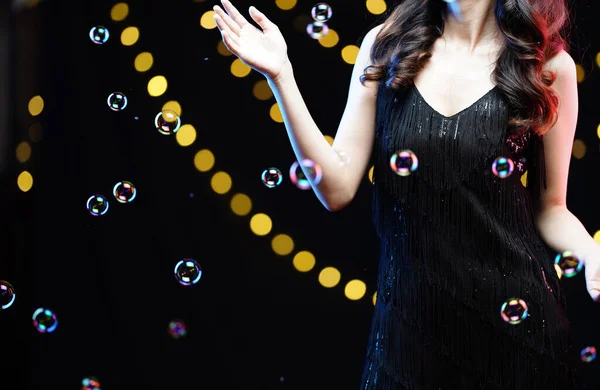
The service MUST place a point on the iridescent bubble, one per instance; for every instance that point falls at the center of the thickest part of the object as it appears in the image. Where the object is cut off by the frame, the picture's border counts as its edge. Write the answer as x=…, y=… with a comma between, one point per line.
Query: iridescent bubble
x=117, y=101
x=124, y=192
x=514, y=311
x=568, y=263
x=97, y=205
x=177, y=329
x=588, y=354
x=298, y=177
x=90, y=383
x=44, y=320
x=188, y=272
x=344, y=158
x=321, y=12
x=167, y=122
x=99, y=35
x=7, y=294
x=272, y=177
x=503, y=167
x=404, y=163
x=317, y=30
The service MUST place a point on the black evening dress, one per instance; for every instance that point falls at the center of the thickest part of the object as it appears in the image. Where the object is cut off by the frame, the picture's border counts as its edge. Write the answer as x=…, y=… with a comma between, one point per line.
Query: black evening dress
x=457, y=241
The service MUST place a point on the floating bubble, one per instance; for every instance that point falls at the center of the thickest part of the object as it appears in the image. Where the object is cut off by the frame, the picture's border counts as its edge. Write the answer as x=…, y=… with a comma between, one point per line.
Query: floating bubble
x=321, y=12
x=7, y=294
x=317, y=30
x=167, y=122
x=514, y=311
x=117, y=101
x=99, y=35
x=503, y=167
x=588, y=354
x=97, y=205
x=298, y=177
x=272, y=177
x=188, y=272
x=404, y=162
x=344, y=158
x=177, y=329
x=44, y=320
x=90, y=383
x=568, y=263
x=124, y=192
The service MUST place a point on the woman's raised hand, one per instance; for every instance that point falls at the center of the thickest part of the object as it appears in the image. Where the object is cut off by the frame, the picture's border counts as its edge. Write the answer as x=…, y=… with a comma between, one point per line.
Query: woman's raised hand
x=264, y=51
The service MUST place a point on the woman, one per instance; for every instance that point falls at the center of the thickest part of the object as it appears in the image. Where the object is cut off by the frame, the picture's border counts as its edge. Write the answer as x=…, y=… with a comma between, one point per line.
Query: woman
x=468, y=95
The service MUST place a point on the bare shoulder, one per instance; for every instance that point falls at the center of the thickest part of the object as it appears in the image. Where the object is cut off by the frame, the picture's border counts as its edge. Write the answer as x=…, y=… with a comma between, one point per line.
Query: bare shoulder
x=562, y=63
x=372, y=34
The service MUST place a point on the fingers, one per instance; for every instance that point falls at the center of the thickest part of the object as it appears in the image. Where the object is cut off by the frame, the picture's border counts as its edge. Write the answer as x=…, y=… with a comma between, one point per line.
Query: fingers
x=231, y=43
x=225, y=21
x=261, y=19
x=234, y=13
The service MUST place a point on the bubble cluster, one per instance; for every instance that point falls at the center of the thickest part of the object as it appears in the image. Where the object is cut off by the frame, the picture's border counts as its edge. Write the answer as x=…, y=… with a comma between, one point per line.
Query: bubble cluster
x=298, y=177
x=7, y=295
x=99, y=35
x=167, y=122
x=117, y=101
x=514, y=311
x=317, y=30
x=272, y=177
x=588, y=354
x=187, y=272
x=44, y=320
x=568, y=263
x=124, y=192
x=321, y=12
x=177, y=329
x=404, y=162
x=97, y=205
x=90, y=383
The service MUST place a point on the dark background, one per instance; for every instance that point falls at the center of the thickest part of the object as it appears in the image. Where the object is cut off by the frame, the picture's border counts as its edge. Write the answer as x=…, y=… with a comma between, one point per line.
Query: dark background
x=253, y=320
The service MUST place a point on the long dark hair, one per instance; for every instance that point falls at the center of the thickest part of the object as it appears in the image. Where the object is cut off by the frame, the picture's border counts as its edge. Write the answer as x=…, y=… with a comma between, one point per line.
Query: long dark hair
x=534, y=31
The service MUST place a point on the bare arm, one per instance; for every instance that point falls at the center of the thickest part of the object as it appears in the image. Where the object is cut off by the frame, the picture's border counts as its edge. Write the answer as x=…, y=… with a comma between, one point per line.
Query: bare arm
x=355, y=135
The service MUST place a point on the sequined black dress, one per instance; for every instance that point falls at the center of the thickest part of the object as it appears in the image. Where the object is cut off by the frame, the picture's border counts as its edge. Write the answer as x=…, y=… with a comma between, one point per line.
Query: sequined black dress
x=456, y=242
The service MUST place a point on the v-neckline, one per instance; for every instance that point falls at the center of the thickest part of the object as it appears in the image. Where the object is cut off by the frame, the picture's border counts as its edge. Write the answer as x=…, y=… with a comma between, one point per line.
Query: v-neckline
x=458, y=113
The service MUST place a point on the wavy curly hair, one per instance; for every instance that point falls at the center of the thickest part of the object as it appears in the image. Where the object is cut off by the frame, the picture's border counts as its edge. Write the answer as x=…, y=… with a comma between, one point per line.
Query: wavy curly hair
x=534, y=31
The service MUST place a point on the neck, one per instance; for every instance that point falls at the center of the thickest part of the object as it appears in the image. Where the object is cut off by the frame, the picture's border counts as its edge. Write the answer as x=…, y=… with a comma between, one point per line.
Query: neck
x=470, y=24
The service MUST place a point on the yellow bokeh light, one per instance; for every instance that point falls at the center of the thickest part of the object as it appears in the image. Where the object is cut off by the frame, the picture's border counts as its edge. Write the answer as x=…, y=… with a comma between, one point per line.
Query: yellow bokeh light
x=304, y=261
x=25, y=181
x=597, y=236
x=282, y=244
x=223, y=50
x=355, y=289
x=262, y=91
x=204, y=160
x=261, y=224
x=174, y=106
x=143, y=62
x=598, y=131
x=35, y=132
x=524, y=179
x=370, y=175
x=330, y=40
x=186, y=135
x=130, y=36
x=23, y=151
x=207, y=20
x=275, y=113
x=221, y=182
x=579, y=149
x=157, y=86
x=349, y=54
x=119, y=12
x=376, y=7
x=239, y=69
x=580, y=73
x=558, y=270
x=329, y=277
x=36, y=105
x=241, y=204
x=286, y=5
x=375, y=298
x=329, y=139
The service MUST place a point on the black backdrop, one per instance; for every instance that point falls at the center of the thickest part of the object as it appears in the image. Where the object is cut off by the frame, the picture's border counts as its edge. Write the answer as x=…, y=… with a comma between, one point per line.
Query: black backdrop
x=253, y=320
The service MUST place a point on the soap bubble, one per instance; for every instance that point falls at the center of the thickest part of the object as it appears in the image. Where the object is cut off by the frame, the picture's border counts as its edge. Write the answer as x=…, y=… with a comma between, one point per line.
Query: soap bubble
x=298, y=177
x=344, y=158
x=97, y=205
x=117, y=101
x=514, y=311
x=317, y=30
x=124, y=192
x=568, y=263
x=99, y=35
x=7, y=295
x=44, y=320
x=177, y=329
x=588, y=354
x=321, y=12
x=90, y=383
x=188, y=272
x=503, y=167
x=167, y=122
x=272, y=177
x=404, y=162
